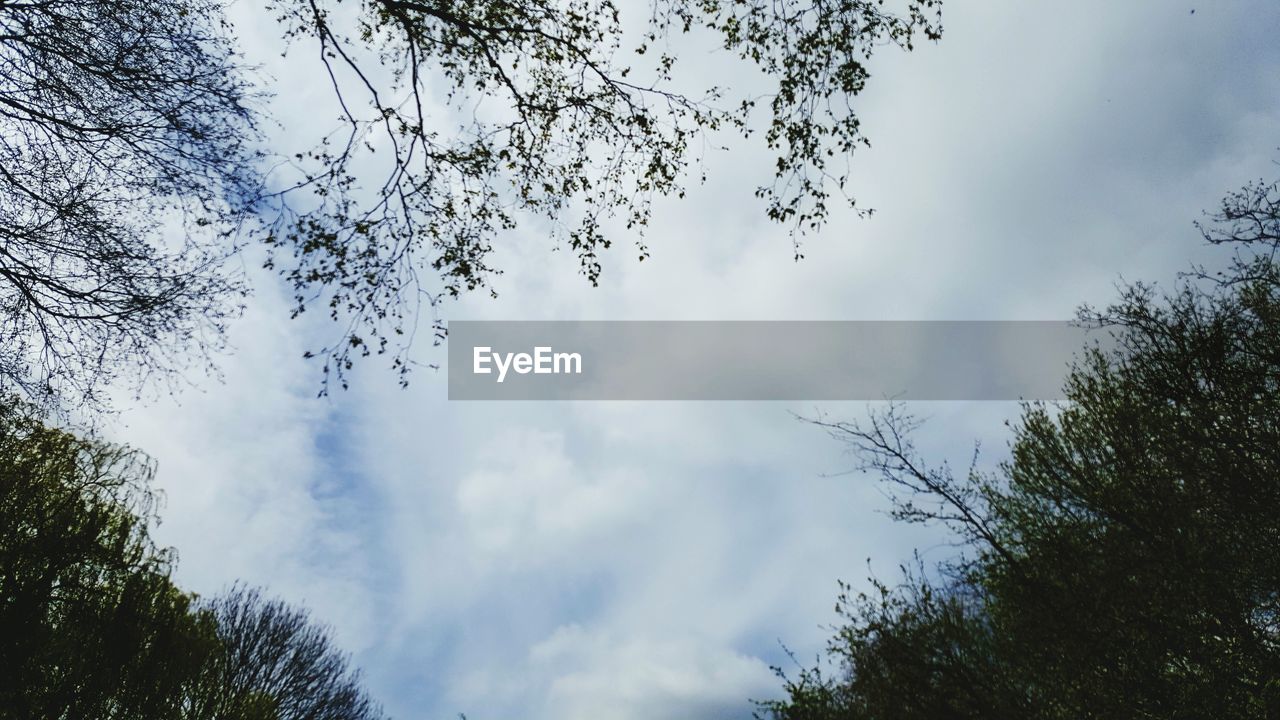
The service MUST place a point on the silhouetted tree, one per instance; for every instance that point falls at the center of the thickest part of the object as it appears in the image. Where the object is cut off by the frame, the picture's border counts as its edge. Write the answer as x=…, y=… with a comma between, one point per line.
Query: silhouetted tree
x=1123, y=562
x=92, y=626
x=276, y=663
x=571, y=127
x=128, y=157
x=124, y=159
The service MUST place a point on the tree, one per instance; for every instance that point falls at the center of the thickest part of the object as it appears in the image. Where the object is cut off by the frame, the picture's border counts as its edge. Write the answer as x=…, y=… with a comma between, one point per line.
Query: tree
x=125, y=157
x=1122, y=562
x=568, y=123
x=276, y=663
x=92, y=626
x=119, y=116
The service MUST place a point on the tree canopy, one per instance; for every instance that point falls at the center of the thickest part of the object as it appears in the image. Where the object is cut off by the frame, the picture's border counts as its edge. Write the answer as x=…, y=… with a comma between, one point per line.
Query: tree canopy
x=92, y=625
x=1122, y=562
x=131, y=164
x=275, y=662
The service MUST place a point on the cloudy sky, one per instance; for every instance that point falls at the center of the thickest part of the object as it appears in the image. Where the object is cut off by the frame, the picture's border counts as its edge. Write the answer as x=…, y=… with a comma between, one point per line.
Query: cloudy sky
x=648, y=560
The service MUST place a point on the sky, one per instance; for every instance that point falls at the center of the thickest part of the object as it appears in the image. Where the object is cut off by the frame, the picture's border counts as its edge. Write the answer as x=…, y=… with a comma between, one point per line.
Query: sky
x=652, y=560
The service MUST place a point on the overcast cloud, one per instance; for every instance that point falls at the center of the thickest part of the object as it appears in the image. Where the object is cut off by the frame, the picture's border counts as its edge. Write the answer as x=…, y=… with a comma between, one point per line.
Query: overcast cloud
x=643, y=560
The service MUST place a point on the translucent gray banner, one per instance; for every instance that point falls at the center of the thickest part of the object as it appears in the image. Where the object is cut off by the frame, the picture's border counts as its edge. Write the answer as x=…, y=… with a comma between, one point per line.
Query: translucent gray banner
x=762, y=360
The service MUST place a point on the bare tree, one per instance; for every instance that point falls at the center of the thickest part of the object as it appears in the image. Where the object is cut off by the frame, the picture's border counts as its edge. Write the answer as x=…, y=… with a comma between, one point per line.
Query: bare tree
x=124, y=155
x=276, y=663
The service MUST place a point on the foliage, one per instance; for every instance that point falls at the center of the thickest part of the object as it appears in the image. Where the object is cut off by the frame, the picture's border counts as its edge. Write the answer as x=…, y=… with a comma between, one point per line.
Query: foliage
x=92, y=626
x=1123, y=562
x=131, y=168
x=554, y=114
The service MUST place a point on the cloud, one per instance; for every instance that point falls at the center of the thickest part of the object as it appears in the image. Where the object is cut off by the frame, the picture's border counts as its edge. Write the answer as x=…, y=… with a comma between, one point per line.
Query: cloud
x=646, y=677
x=251, y=491
x=643, y=559
x=528, y=500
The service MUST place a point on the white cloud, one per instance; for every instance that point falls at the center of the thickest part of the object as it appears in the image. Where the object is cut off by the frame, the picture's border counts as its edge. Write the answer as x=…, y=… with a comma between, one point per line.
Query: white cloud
x=646, y=677
x=244, y=473
x=642, y=560
x=528, y=498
